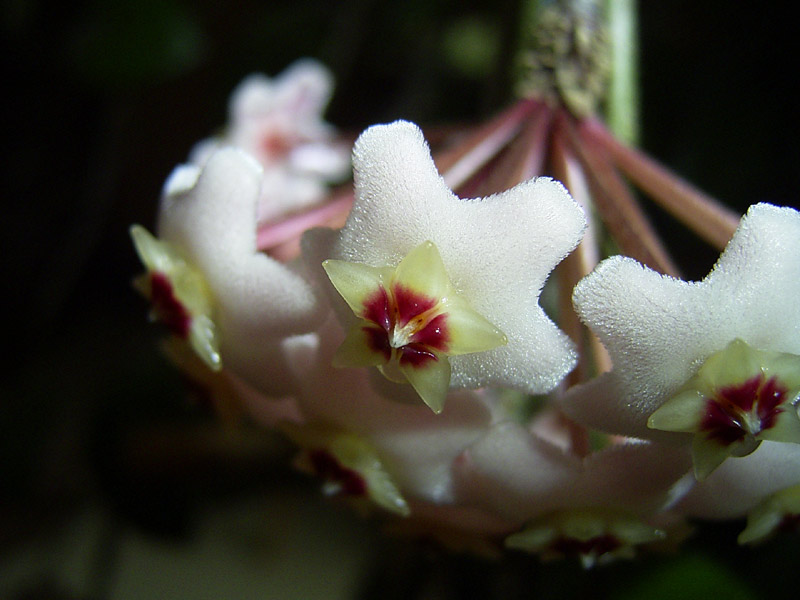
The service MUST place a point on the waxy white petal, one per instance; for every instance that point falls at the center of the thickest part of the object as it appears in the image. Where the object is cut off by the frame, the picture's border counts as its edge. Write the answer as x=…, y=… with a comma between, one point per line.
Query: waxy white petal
x=520, y=476
x=739, y=485
x=258, y=301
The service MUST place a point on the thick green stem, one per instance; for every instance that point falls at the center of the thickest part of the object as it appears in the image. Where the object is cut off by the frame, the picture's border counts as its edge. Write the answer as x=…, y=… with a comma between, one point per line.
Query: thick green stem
x=623, y=94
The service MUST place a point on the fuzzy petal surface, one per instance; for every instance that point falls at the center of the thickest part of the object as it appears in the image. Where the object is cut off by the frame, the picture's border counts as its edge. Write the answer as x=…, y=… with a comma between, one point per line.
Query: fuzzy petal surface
x=738, y=486
x=659, y=330
x=258, y=301
x=519, y=475
x=497, y=251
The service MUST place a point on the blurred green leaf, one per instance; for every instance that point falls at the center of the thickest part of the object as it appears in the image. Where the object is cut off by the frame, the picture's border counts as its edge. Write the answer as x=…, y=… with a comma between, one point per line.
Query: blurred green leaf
x=471, y=46
x=124, y=44
x=685, y=577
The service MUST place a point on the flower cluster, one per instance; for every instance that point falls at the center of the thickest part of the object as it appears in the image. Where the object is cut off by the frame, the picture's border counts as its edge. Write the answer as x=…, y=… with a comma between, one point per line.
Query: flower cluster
x=408, y=355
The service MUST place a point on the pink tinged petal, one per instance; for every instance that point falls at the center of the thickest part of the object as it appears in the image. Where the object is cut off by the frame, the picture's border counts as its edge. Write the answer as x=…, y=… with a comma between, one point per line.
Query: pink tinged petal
x=521, y=476
x=514, y=474
x=304, y=90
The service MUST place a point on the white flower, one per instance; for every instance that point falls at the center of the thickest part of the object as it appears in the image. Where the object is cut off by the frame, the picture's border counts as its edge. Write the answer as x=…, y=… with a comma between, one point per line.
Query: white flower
x=518, y=475
x=660, y=331
x=279, y=122
x=598, y=507
x=416, y=447
x=495, y=251
x=209, y=216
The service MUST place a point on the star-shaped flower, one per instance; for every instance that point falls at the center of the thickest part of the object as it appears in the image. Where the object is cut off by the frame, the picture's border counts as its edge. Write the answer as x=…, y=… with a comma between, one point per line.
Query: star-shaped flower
x=411, y=321
x=415, y=446
x=496, y=251
x=659, y=330
x=738, y=398
x=209, y=216
x=279, y=122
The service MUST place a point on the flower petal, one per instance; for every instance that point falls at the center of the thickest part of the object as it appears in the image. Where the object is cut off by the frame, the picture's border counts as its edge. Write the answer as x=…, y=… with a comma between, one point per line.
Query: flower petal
x=258, y=302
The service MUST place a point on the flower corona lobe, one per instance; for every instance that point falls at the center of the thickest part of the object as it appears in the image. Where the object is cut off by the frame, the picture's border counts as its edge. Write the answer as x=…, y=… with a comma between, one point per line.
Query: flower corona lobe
x=739, y=397
x=411, y=319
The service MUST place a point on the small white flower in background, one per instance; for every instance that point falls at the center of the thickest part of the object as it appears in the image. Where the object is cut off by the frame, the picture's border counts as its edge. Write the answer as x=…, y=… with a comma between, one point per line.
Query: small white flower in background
x=279, y=122
x=662, y=332
x=494, y=255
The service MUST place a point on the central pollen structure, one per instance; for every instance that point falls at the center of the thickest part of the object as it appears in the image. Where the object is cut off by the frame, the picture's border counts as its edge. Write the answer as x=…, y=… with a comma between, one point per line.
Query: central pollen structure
x=737, y=413
x=739, y=397
x=406, y=326
x=410, y=319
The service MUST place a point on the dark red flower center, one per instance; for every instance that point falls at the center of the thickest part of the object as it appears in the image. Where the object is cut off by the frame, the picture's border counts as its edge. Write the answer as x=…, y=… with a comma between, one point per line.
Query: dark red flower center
x=743, y=409
x=406, y=325
x=168, y=309
x=326, y=466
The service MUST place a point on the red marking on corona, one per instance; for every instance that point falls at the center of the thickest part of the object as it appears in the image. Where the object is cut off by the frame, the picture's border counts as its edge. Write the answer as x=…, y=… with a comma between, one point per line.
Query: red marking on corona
x=406, y=325
x=746, y=408
x=167, y=307
x=326, y=466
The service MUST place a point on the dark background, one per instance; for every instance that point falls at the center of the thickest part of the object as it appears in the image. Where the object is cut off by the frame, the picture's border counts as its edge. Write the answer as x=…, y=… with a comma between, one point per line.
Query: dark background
x=102, y=99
